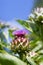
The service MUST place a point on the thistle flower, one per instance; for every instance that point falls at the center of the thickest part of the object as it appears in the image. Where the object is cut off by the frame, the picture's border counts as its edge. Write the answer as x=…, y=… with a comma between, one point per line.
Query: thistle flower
x=32, y=54
x=37, y=15
x=20, y=42
x=36, y=22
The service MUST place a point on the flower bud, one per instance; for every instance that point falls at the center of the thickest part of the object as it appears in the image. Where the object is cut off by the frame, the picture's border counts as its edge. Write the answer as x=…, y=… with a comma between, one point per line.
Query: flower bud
x=20, y=42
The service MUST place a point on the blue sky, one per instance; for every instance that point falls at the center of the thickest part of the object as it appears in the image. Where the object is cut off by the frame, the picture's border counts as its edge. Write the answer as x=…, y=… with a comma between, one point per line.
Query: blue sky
x=15, y=9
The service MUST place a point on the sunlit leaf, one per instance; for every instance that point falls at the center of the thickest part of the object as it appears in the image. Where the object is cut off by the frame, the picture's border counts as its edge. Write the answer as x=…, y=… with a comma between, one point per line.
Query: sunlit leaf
x=31, y=61
x=7, y=59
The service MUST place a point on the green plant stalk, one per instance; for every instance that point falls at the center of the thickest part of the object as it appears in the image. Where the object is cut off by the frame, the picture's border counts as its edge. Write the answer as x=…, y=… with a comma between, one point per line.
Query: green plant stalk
x=22, y=56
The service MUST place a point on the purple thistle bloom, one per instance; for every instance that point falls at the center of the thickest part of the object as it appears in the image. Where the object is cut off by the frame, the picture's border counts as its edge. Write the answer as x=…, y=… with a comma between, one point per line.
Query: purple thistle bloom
x=20, y=32
x=20, y=42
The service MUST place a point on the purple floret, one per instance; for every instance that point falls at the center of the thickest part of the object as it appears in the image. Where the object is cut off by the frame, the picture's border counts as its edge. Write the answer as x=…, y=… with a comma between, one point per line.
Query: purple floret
x=20, y=32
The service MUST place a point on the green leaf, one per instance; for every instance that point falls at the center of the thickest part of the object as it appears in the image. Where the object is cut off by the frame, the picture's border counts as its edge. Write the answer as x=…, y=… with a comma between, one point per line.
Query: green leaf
x=7, y=59
x=31, y=61
x=23, y=23
x=10, y=33
x=39, y=58
x=38, y=47
x=40, y=52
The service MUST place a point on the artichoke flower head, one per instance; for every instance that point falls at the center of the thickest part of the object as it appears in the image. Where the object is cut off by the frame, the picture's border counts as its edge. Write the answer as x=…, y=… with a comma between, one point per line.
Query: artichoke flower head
x=20, y=42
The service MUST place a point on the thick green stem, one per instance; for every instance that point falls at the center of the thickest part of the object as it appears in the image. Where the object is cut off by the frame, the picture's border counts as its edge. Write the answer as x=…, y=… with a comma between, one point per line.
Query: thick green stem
x=22, y=56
